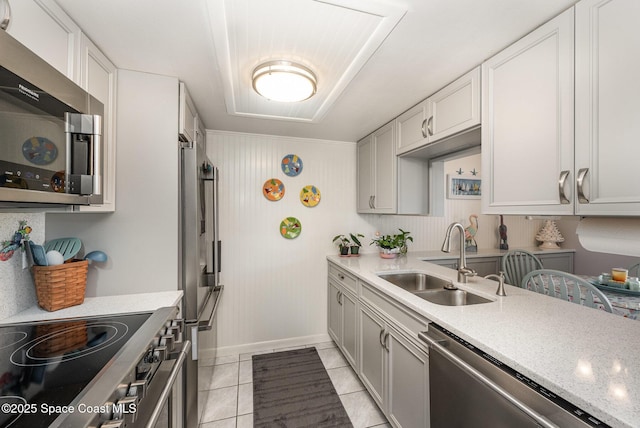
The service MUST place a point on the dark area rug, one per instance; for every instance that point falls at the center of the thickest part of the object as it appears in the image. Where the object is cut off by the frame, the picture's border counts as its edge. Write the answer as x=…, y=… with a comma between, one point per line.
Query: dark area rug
x=292, y=389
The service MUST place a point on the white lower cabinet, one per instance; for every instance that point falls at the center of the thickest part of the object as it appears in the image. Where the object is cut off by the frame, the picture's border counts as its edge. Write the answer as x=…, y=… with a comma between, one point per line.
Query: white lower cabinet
x=394, y=370
x=342, y=325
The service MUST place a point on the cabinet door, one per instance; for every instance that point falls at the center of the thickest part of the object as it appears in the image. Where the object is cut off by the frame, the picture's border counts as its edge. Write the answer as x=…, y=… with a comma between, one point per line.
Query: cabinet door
x=48, y=32
x=607, y=110
x=384, y=197
x=527, y=123
x=98, y=77
x=372, y=354
x=411, y=128
x=365, y=184
x=558, y=261
x=335, y=313
x=408, y=404
x=454, y=108
x=350, y=328
x=485, y=265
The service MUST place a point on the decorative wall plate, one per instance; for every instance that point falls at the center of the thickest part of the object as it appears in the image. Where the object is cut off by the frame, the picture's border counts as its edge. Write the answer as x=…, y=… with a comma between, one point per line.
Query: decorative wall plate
x=39, y=150
x=291, y=165
x=290, y=227
x=310, y=196
x=273, y=189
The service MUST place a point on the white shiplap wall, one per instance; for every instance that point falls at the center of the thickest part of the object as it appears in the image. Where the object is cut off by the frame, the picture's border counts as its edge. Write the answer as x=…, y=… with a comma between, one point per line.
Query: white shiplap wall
x=275, y=289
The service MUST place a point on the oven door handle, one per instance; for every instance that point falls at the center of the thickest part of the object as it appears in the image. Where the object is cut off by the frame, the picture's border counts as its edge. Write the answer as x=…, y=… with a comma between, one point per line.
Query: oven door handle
x=437, y=345
x=157, y=410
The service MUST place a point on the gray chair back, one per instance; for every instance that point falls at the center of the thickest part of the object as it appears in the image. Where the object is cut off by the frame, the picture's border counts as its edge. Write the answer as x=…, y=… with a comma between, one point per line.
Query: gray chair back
x=516, y=264
x=566, y=286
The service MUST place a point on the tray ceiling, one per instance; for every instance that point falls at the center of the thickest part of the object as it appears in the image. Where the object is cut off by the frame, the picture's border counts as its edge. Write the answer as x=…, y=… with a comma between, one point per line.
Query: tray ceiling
x=248, y=33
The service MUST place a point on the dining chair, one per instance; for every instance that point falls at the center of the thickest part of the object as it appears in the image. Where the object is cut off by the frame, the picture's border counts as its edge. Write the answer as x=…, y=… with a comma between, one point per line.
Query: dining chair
x=516, y=264
x=634, y=269
x=565, y=286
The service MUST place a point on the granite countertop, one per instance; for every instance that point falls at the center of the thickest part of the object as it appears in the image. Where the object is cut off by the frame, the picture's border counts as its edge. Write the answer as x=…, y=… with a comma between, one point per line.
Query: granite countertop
x=106, y=305
x=587, y=356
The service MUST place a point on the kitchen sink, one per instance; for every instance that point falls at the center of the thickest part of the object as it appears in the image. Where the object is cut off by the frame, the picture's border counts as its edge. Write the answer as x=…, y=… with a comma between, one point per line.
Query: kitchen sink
x=433, y=289
x=452, y=297
x=416, y=281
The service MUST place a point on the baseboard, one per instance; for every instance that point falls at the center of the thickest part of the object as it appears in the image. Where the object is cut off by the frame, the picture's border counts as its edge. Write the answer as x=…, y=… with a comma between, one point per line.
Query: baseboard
x=248, y=348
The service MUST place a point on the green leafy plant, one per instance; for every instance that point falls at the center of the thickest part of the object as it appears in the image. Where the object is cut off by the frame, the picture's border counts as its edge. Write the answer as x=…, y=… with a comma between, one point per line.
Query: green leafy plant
x=356, y=241
x=343, y=243
x=390, y=242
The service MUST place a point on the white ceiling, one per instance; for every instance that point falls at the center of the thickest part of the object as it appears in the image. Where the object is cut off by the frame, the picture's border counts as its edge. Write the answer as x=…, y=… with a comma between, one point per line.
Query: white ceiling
x=364, y=79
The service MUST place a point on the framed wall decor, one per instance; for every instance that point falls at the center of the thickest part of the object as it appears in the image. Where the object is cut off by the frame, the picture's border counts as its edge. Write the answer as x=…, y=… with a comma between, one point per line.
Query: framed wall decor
x=464, y=186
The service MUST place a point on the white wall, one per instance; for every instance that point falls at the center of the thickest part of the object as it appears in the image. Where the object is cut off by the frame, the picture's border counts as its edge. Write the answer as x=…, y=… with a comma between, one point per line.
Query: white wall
x=275, y=288
x=17, y=291
x=141, y=237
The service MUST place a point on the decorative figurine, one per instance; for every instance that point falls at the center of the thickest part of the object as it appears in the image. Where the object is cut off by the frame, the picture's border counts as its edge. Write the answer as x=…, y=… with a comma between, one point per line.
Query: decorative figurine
x=549, y=235
x=502, y=230
x=17, y=241
x=470, y=233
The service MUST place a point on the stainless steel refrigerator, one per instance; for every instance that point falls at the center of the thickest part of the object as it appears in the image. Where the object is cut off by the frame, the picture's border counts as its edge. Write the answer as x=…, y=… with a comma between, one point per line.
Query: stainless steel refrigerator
x=199, y=269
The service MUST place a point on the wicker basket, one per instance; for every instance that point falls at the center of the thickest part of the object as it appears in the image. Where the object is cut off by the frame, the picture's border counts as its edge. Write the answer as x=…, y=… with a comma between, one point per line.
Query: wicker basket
x=61, y=286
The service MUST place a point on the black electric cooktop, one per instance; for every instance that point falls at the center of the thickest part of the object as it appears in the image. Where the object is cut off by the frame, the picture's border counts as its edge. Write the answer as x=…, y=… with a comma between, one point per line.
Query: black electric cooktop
x=44, y=366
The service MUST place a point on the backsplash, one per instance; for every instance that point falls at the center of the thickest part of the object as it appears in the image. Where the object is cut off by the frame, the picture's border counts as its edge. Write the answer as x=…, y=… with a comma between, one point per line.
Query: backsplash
x=17, y=291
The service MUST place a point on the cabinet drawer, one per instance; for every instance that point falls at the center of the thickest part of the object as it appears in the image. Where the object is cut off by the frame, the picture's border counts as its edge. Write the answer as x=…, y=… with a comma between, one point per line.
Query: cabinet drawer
x=346, y=280
x=403, y=317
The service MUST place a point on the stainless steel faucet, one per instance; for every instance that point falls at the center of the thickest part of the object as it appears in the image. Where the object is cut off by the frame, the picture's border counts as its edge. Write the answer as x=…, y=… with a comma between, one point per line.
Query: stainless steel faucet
x=463, y=271
x=500, y=278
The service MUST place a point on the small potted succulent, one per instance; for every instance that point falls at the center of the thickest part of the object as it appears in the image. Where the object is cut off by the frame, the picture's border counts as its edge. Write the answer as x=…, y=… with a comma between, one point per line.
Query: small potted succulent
x=392, y=245
x=343, y=243
x=355, y=247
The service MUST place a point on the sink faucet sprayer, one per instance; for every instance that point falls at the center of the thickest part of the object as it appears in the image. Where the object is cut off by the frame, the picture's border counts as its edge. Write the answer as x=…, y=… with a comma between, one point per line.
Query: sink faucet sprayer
x=500, y=278
x=463, y=271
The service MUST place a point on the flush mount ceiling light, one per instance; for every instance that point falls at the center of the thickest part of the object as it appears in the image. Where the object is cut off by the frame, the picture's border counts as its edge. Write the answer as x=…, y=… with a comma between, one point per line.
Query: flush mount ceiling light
x=284, y=81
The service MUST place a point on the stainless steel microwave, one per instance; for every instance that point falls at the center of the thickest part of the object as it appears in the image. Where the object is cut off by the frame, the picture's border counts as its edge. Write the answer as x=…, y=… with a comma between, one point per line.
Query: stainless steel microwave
x=51, y=150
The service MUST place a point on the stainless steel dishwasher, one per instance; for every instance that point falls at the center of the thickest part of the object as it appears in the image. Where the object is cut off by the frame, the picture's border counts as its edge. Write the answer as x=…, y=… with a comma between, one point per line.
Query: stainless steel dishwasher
x=468, y=387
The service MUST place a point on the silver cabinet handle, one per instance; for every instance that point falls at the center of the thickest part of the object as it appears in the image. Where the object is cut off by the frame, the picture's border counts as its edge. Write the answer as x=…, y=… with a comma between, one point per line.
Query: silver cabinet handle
x=429, y=126
x=373, y=202
x=561, y=182
x=580, y=181
x=4, y=23
x=423, y=128
x=381, y=338
x=436, y=345
x=339, y=297
x=385, y=341
x=341, y=277
x=370, y=203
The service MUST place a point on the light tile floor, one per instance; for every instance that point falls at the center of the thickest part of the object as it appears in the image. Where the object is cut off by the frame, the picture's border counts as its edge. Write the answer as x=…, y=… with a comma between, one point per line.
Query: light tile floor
x=226, y=393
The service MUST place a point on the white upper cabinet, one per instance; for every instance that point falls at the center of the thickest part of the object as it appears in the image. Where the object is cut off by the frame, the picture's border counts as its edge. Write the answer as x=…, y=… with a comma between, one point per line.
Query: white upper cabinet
x=98, y=77
x=412, y=131
x=454, y=108
x=451, y=110
x=377, y=164
x=188, y=114
x=527, y=123
x=607, y=111
x=43, y=27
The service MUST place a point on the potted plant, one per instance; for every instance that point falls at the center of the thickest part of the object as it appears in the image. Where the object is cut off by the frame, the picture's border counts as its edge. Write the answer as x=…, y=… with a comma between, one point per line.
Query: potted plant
x=355, y=247
x=392, y=245
x=343, y=243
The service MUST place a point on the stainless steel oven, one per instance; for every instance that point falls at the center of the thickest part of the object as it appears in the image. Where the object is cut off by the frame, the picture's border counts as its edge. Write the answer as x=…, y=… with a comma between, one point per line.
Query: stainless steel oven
x=51, y=149
x=102, y=372
x=468, y=387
